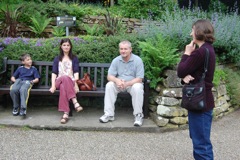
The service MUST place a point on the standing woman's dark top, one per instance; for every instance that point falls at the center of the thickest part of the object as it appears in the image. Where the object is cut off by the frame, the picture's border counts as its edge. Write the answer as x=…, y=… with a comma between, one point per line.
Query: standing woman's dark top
x=193, y=65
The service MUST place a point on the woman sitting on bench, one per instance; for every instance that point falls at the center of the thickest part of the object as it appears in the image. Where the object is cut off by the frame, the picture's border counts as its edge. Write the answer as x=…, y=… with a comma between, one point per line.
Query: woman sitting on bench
x=65, y=72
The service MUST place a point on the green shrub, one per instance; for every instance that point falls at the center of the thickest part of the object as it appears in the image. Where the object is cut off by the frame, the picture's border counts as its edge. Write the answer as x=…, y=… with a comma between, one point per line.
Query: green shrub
x=58, y=31
x=40, y=49
x=157, y=54
x=227, y=37
x=94, y=30
x=152, y=9
x=39, y=23
x=93, y=10
x=102, y=49
x=9, y=20
x=75, y=9
x=177, y=26
x=219, y=76
x=233, y=85
x=50, y=8
x=87, y=48
x=113, y=25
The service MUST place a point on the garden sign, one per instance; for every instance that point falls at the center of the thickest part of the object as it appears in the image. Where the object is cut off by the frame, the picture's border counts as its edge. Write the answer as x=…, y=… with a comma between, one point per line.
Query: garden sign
x=66, y=21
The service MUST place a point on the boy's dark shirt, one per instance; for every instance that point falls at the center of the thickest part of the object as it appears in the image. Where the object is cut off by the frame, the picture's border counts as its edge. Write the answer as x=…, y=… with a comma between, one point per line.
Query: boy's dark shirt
x=24, y=73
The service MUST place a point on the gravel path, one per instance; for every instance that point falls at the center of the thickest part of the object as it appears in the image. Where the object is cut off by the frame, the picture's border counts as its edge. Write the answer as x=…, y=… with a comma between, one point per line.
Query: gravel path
x=24, y=143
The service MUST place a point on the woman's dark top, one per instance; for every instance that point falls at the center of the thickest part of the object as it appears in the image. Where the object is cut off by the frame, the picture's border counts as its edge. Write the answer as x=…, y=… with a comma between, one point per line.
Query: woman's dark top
x=194, y=65
x=75, y=65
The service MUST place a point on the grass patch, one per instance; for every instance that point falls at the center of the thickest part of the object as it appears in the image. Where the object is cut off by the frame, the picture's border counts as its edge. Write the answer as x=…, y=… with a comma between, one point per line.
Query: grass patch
x=2, y=126
x=26, y=128
x=233, y=85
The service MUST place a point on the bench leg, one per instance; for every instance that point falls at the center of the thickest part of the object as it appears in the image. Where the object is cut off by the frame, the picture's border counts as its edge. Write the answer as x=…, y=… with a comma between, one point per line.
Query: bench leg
x=71, y=106
x=145, y=107
x=5, y=100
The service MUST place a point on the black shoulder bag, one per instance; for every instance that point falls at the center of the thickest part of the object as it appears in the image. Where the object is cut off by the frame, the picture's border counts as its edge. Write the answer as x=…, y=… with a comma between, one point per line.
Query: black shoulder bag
x=194, y=95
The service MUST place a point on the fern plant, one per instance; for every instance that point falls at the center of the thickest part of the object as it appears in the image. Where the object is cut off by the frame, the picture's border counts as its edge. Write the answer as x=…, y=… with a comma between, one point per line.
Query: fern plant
x=157, y=53
x=94, y=30
x=58, y=31
x=39, y=23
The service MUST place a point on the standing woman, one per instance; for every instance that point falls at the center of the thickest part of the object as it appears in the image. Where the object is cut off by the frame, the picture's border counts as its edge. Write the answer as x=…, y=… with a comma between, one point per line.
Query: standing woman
x=65, y=72
x=191, y=68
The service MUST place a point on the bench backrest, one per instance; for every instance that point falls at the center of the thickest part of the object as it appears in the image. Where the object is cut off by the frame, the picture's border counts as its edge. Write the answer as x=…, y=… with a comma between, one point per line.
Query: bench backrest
x=98, y=72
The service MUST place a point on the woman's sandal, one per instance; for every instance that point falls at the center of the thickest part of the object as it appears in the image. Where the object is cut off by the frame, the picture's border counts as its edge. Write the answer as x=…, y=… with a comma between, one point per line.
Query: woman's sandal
x=64, y=120
x=77, y=107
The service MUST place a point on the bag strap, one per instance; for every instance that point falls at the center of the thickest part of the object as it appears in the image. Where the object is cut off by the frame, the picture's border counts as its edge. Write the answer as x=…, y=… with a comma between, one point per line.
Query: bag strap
x=94, y=87
x=88, y=87
x=205, y=63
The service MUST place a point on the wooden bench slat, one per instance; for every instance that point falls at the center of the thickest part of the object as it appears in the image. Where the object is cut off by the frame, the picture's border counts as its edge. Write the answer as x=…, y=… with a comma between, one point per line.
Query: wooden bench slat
x=46, y=76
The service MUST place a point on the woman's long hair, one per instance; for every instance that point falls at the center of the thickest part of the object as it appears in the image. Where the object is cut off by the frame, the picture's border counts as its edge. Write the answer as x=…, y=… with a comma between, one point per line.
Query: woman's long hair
x=64, y=40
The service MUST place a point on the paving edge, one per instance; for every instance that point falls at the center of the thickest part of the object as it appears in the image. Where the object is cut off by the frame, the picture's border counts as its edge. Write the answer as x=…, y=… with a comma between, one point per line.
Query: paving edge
x=103, y=129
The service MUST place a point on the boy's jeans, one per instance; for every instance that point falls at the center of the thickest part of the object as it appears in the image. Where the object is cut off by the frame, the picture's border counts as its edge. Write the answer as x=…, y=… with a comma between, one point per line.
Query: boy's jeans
x=19, y=93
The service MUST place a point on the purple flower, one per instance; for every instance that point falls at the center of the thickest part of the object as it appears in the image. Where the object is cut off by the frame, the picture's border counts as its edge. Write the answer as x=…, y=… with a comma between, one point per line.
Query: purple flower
x=38, y=44
x=78, y=40
x=1, y=49
x=7, y=41
x=25, y=40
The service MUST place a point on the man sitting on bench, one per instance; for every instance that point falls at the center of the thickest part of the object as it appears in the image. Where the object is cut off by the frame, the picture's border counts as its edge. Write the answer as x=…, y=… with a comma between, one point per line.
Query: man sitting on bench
x=125, y=74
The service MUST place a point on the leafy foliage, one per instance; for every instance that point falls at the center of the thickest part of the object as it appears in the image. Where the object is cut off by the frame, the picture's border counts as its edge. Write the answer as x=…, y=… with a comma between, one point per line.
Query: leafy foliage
x=139, y=8
x=157, y=54
x=94, y=30
x=233, y=85
x=219, y=76
x=58, y=31
x=228, y=37
x=87, y=48
x=39, y=23
x=152, y=9
x=177, y=26
x=113, y=25
x=9, y=20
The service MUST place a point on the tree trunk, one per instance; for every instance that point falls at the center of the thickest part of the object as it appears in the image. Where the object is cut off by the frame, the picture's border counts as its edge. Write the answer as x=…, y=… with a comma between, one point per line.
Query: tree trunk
x=111, y=2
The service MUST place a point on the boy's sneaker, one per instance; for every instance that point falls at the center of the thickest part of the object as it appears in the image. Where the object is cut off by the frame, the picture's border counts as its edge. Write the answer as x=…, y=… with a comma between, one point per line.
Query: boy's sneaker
x=15, y=111
x=23, y=112
x=106, y=118
x=138, y=119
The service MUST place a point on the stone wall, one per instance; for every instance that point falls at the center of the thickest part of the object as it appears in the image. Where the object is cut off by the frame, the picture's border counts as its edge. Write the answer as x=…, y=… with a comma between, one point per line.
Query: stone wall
x=131, y=24
x=165, y=107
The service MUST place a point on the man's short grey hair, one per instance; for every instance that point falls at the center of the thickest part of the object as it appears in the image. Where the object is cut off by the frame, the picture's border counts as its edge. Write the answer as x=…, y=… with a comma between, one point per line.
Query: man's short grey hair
x=126, y=42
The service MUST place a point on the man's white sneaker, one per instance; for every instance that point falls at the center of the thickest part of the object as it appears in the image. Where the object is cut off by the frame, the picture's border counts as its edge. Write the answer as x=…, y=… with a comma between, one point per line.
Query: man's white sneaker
x=138, y=119
x=106, y=118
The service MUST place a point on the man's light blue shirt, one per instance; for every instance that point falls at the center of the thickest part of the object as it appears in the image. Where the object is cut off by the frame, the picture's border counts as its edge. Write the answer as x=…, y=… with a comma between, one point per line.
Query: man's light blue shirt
x=127, y=71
